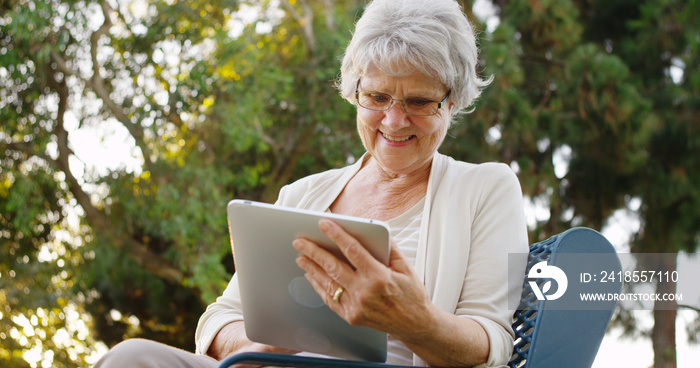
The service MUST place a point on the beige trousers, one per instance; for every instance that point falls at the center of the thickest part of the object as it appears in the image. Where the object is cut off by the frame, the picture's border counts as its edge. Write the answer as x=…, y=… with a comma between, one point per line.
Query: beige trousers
x=141, y=353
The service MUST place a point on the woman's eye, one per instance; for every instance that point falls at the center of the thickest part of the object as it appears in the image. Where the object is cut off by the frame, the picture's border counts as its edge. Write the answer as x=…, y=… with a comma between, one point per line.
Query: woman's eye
x=418, y=102
x=379, y=98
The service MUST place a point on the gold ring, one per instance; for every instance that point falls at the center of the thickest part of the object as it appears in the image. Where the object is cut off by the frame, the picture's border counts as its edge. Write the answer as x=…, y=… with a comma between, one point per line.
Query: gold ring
x=337, y=294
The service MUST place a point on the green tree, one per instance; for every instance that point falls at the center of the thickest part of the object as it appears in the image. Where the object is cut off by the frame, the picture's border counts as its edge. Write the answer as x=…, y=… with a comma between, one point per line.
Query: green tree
x=607, y=88
x=225, y=98
x=668, y=186
x=558, y=96
x=213, y=113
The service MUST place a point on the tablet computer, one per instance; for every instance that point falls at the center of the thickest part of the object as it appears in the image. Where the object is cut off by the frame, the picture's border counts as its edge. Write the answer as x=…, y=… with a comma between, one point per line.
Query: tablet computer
x=280, y=307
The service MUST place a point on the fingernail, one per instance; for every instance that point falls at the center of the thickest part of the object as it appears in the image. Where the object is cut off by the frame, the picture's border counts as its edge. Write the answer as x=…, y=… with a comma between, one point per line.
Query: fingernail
x=324, y=225
x=298, y=244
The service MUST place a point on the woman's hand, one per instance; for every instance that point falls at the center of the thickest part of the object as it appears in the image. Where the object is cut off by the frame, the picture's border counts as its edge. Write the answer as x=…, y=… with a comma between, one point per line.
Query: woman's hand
x=232, y=339
x=390, y=299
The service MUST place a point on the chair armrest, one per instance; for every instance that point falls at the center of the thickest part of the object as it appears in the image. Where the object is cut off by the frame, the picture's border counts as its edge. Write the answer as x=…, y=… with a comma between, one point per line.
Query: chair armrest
x=554, y=333
x=284, y=360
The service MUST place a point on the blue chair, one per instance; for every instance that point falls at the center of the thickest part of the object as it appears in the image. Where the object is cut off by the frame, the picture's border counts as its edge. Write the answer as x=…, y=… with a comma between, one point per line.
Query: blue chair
x=549, y=333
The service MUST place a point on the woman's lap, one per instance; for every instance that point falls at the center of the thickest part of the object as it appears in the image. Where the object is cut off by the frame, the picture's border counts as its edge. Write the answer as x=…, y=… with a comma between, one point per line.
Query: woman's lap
x=141, y=353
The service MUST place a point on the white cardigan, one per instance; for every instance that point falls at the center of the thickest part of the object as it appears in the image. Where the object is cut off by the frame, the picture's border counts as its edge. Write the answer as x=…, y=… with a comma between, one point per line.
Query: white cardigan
x=472, y=220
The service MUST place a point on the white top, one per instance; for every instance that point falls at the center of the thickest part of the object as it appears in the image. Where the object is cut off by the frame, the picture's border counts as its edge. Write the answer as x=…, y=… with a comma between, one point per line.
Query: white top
x=405, y=231
x=472, y=219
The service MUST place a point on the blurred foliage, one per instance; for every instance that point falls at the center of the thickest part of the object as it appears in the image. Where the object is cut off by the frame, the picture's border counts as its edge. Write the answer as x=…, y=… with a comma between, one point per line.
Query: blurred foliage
x=595, y=104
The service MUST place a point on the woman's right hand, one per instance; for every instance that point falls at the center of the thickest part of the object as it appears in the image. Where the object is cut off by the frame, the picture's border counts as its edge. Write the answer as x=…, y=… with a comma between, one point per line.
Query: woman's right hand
x=232, y=339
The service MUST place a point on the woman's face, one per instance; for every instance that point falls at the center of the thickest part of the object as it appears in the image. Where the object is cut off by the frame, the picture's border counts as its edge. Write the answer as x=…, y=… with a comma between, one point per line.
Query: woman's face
x=402, y=143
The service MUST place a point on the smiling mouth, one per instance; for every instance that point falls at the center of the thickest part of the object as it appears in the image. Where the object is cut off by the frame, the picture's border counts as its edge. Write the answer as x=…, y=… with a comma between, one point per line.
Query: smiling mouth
x=396, y=139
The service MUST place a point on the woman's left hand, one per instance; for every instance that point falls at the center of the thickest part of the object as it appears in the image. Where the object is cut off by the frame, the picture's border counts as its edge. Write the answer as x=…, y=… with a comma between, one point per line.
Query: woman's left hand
x=387, y=298
x=390, y=299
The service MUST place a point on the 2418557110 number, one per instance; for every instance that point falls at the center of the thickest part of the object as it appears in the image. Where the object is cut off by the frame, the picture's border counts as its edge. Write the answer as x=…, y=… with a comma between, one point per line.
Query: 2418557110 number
x=639, y=276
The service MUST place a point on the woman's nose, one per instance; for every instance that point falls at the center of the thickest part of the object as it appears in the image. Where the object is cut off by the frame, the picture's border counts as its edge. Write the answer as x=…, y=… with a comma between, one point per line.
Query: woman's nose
x=396, y=116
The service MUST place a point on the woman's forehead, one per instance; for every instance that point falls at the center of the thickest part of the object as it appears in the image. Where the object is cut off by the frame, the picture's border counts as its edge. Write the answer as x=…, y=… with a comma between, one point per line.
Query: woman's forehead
x=411, y=81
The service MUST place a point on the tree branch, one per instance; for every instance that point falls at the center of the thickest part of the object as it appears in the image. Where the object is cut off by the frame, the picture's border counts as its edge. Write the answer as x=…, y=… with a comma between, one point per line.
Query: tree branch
x=330, y=18
x=171, y=115
x=305, y=21
x=62, y=64
x=150, y=261
x=686, y=306
x=542, y=60
x=99, y=222
x=97, y=83
x=266, y=138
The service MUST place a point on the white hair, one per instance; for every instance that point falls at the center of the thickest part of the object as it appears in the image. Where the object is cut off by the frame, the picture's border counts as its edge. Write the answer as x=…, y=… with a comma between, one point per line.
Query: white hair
x=431, y=36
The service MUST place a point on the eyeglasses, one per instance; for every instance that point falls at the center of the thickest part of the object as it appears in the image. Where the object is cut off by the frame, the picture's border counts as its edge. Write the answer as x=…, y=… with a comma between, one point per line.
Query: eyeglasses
x=417, y=106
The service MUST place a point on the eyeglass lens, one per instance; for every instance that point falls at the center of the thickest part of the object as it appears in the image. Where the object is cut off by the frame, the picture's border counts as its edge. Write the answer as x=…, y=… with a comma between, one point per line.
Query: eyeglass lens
x=412, y=105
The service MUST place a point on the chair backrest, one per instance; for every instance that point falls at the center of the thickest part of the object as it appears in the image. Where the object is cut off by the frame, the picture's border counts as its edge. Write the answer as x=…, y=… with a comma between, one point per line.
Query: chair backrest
x=567, y=331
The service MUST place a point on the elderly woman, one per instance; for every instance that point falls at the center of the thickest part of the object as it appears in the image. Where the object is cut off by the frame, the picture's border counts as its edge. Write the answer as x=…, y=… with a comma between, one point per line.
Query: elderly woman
x=443, y=299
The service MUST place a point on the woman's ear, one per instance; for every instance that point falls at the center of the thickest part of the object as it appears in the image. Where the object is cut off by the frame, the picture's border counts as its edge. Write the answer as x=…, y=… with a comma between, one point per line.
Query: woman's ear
x=450, y=109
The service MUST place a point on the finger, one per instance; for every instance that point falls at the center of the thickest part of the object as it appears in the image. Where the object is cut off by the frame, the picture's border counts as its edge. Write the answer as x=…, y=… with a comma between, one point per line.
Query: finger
x=324, y=264
x=398, y=262
x=243, y=365
x=358, y=256
x=326, y=290
x=322, y=283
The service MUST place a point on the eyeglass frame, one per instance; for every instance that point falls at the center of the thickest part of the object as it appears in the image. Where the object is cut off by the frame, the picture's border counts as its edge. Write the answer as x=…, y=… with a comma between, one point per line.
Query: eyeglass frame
x=402, y=100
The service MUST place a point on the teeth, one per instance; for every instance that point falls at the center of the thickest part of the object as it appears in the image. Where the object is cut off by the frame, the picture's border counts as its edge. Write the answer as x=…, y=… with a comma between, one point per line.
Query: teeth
x=402, y=139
